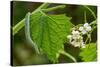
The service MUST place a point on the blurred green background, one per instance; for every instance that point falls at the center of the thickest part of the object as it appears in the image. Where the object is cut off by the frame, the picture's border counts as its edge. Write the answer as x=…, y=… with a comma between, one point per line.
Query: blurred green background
x=23, y=53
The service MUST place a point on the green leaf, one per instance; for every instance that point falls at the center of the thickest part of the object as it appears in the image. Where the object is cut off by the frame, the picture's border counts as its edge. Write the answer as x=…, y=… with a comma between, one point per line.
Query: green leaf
x=89, y=53
x=49, y=33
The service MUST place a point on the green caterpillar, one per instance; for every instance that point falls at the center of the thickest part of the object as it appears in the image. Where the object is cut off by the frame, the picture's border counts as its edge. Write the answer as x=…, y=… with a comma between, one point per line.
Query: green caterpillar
x=27, y=32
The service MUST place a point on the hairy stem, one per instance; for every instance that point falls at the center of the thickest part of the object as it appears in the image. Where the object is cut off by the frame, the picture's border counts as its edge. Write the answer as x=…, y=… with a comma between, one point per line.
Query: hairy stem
x=93, y=22
x=21, y=24
x=68, y=55
x=85, y=20
x=53, y=8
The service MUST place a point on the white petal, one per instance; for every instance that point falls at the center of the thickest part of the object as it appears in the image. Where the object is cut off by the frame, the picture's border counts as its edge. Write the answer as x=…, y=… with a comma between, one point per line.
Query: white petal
x=81, y=28
x=75, y=32
x=84, y=32
x=73, y=42
x=77, y=44
x=86, y=25
x=74, y=36
x=88, y=28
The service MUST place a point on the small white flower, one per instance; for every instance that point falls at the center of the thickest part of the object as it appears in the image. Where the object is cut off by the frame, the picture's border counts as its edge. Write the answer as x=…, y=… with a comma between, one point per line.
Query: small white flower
x=75, y=43
x=86, y=25
x=84, y=32
x=85, y=28
x=88, y=28
x=81, y=28
x=76, y=39
x=75, y=34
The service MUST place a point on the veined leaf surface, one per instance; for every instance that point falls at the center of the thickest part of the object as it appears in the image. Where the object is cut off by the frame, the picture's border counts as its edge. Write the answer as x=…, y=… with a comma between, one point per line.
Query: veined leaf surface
x=49, y=33
x=89, y=53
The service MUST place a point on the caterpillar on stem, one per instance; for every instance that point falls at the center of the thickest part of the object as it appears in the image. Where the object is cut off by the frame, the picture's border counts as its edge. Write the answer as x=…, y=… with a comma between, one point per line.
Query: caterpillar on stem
x=27, y=32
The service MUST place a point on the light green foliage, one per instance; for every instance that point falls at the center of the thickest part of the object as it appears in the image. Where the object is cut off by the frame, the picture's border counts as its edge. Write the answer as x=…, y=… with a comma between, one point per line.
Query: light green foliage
x=49, y=33
x=89, y=53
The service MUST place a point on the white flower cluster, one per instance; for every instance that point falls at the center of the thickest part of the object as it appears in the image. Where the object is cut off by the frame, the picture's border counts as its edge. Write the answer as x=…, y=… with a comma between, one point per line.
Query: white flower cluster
x=76, y=38
x=85, y=28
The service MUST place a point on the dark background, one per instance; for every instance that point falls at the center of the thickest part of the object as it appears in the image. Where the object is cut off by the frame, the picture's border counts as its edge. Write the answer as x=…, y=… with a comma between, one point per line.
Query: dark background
x=23, y=54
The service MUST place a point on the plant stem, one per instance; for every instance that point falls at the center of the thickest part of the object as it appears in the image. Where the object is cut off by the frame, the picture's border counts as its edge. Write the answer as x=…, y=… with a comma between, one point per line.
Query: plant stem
x=93, y=22
x=86, y=40
x=90, y=11
x=85, y=20
x=68, y=55
x=21, y=24
x=53, y=8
